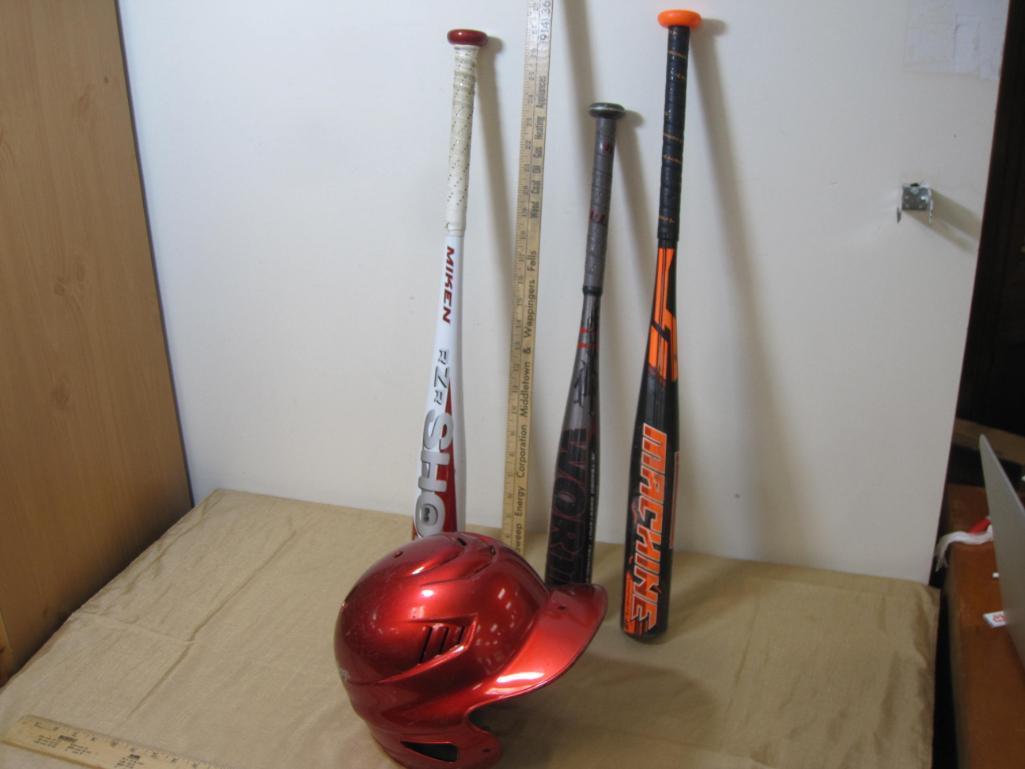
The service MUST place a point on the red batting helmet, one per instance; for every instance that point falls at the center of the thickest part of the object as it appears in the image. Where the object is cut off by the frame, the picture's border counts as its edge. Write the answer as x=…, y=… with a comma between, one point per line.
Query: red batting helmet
x=445, y=625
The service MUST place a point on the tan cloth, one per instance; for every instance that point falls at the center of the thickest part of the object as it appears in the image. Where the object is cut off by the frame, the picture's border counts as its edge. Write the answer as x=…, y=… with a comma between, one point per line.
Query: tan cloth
x=216, y=643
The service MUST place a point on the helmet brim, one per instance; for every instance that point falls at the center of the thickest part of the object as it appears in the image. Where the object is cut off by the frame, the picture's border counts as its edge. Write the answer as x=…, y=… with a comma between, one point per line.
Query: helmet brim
x=561, y=632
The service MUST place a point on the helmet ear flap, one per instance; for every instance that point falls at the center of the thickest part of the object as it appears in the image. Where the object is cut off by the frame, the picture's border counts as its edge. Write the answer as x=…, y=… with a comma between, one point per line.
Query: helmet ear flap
x=465, y=746
x=439, y=751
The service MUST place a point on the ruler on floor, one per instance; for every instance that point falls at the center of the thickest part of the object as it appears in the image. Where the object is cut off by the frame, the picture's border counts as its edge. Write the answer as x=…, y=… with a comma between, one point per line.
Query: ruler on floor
x=86, y=748
x=533, y=123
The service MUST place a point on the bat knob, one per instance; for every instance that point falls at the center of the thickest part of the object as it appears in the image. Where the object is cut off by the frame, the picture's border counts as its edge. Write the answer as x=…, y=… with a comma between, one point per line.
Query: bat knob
x=679, y=19
x=467, y=37
x=606, y=109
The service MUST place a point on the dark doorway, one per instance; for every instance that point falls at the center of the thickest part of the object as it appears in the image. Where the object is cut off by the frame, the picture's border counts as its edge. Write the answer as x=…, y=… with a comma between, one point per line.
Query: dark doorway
x=993, y=376
x=992, y=393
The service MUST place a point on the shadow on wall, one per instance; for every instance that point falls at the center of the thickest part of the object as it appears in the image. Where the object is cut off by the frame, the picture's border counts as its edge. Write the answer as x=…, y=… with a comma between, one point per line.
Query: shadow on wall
x=578, y=42
x=765, y=464
x=637, y=218
x=950, y=220
x=956, y=223
x=502, y=209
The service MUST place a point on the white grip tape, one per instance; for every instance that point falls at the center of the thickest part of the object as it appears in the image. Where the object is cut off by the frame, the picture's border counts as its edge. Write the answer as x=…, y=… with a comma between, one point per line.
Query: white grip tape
x=459, y=137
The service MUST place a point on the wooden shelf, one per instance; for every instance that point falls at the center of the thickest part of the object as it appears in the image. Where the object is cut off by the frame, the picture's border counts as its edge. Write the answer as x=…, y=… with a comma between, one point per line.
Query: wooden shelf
x=988, y=678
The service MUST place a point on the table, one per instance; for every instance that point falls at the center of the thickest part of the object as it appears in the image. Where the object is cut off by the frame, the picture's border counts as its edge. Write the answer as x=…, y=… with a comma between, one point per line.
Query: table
x=216, y=643
x=987, y=677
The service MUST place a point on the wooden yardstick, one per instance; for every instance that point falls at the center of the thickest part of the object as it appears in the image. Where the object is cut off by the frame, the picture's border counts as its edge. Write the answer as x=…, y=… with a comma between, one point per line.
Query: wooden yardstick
x=533, y=123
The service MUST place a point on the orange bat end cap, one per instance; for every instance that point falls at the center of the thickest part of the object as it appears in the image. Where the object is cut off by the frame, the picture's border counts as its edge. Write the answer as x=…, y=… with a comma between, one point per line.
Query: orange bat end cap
x=467, y=37
x=679, y=19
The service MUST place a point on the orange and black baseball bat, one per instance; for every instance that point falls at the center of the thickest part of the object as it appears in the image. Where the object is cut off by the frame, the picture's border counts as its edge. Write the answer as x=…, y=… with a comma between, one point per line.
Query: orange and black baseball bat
x=648, y=558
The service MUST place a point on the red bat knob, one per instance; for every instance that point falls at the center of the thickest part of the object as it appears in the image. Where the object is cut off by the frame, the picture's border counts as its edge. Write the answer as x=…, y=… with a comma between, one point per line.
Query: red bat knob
x=468, y=37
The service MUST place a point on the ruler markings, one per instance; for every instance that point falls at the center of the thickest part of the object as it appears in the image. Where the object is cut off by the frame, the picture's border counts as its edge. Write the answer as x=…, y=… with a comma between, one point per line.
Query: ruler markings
x=533, y=124
x=91, y=749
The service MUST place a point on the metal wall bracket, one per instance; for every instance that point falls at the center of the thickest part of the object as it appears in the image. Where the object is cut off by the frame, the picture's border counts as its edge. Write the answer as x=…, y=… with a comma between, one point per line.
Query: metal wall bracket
x=915, y=197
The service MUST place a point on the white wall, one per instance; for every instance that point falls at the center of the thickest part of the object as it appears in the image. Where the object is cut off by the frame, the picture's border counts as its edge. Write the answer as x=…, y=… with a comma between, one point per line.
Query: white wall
x=295, y=157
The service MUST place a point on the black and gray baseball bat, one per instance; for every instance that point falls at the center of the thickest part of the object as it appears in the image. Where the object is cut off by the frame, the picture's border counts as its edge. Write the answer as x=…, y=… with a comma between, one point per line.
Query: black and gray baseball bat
x=575, y=496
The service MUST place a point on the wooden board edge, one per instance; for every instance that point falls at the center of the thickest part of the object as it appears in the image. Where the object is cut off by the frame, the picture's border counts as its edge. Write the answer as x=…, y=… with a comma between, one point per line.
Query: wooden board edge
x=6, y=653
x=1007, y=446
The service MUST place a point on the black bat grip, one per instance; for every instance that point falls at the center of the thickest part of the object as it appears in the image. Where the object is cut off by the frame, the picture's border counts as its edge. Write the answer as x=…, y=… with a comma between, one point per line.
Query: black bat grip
x=672, y=136
x=605, y=116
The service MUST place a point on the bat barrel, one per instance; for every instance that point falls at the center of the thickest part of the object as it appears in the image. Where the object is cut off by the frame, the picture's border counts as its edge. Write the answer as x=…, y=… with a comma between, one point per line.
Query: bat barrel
x=605, y=115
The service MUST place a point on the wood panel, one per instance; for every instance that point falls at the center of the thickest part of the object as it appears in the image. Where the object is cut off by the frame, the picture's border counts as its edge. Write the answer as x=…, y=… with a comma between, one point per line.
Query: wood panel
x=987, y=676
x=91, y=461
x=6, y=655
x=1007, y=446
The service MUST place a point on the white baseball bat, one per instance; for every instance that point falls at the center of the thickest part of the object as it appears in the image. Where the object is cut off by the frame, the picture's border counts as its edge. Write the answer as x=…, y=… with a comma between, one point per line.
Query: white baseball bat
x=441, y=482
